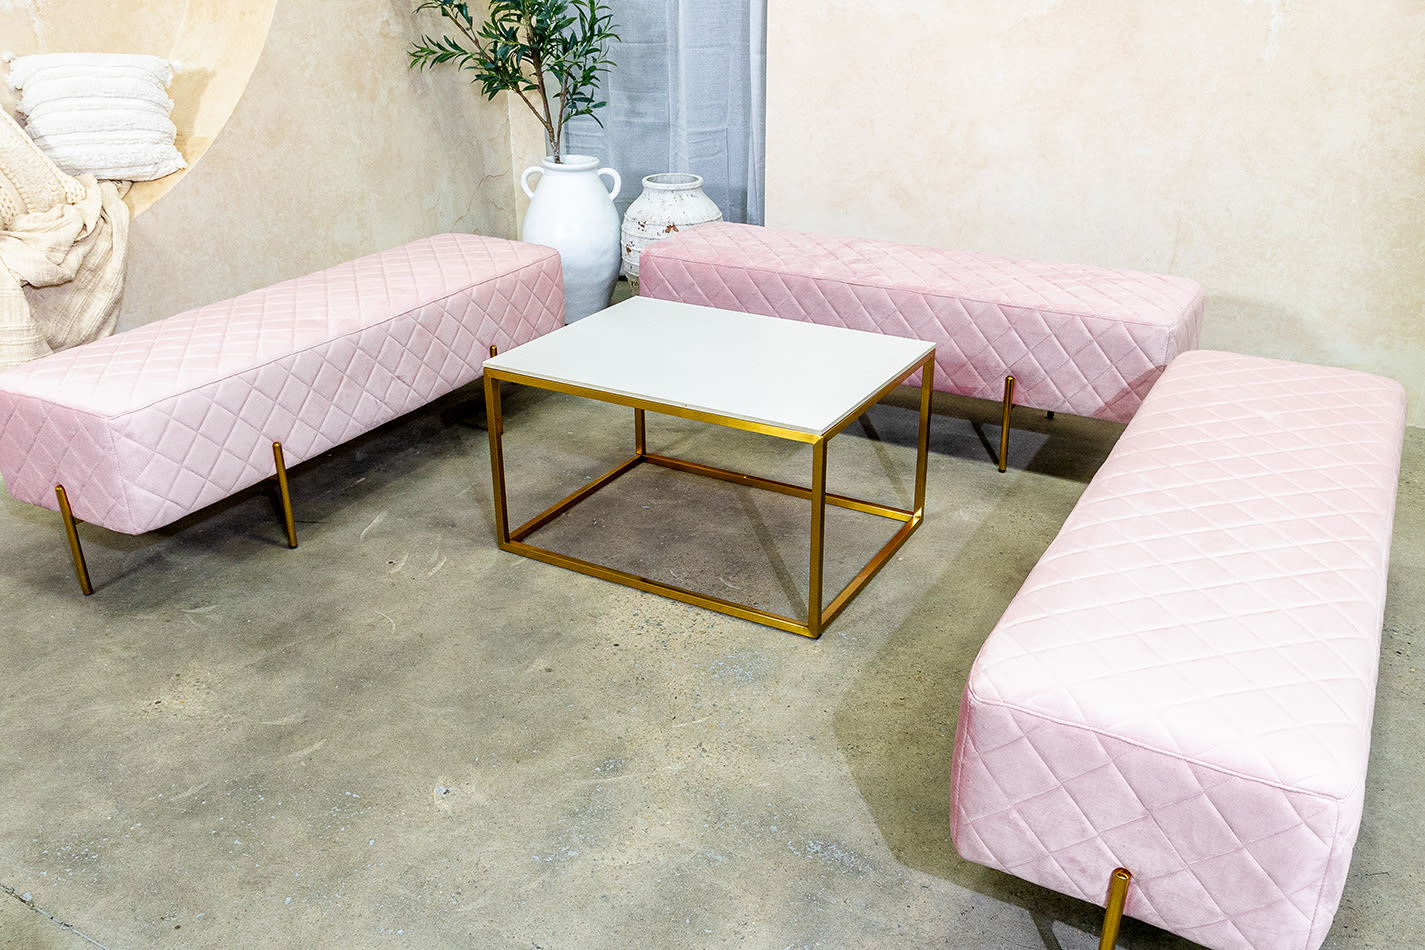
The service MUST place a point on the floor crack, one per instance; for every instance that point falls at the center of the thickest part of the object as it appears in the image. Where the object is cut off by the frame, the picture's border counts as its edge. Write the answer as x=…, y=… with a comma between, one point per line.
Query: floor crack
x=29, y=902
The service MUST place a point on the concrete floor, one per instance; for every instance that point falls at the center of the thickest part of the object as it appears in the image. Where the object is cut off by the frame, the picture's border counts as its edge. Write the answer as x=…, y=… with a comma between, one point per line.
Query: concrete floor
x=398, y=736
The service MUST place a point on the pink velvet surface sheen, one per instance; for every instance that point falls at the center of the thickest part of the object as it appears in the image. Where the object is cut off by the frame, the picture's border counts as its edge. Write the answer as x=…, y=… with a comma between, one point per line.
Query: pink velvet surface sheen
x=1090, y=341
x=149, y=425
x=1184, y=685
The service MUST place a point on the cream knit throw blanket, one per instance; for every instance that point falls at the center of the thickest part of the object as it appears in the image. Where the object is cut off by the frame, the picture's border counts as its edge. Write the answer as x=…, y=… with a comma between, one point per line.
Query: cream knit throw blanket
x=61, y=265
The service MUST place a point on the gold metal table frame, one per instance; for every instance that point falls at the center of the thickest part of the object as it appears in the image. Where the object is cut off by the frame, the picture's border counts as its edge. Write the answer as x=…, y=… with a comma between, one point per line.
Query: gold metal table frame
x=817, y=616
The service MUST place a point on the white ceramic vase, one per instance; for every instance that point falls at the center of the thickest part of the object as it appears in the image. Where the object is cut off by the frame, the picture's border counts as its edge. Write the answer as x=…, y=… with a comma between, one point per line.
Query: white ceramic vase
x=572, y=211
x=670, y=202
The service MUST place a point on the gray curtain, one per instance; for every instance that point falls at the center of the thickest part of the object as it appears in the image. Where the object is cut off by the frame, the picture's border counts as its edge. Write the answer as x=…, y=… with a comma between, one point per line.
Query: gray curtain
x=687, y=94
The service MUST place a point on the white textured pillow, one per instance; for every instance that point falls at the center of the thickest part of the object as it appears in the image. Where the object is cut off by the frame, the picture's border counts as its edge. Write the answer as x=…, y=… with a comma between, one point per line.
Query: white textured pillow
x=105, y=114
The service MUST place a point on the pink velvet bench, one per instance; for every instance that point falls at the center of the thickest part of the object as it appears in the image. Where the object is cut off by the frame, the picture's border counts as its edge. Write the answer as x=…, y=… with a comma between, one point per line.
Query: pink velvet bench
x=1184, y=686
x=1089, y=341
x=135, y=431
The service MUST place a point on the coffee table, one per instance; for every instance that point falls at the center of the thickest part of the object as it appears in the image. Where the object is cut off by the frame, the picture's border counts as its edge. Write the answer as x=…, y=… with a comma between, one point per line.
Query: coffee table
x=799, y=381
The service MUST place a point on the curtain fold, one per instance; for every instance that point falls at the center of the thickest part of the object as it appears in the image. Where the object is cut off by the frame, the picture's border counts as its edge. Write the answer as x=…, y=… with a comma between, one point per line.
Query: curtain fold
x=687, y=94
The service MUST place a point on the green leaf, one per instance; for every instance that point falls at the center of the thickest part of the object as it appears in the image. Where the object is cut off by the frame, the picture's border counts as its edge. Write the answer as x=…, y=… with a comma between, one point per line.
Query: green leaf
x=566, y=40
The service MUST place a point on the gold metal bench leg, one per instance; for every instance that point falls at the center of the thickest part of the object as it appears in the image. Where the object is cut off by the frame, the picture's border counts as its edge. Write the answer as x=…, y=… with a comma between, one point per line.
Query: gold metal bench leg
x=81, y=570
x=1113, y=914
x=1004, y=424
x=284, y=495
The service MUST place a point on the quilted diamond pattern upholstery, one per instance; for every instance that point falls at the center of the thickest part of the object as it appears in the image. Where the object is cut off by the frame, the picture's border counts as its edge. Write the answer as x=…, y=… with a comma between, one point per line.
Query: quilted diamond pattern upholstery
x=149, y=425
x=1185, y=683
x=1085, y=340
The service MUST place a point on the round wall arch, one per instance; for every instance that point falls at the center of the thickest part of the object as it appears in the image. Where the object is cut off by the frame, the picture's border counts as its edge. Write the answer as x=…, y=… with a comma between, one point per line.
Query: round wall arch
x=216, y=41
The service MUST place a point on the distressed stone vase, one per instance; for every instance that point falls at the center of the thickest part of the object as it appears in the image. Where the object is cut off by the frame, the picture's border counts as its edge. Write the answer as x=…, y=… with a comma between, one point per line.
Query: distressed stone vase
x=670, y=202
x=572, y=211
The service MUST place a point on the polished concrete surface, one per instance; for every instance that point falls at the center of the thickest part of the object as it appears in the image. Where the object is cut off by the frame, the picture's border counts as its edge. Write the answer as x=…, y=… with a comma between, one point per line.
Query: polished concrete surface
x=399, y=736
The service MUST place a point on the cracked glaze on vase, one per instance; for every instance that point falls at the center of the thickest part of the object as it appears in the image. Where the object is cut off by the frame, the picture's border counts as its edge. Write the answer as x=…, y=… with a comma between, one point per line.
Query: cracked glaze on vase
x=670, y=202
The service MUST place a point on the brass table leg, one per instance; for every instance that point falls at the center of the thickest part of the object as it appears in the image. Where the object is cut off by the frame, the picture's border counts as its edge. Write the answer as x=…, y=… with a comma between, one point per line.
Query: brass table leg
x=1004, y=424
x=288, y=521
x=1113, y=914
x=922, y=437
x=495, y=425
x=818, y=536
x=81, y=570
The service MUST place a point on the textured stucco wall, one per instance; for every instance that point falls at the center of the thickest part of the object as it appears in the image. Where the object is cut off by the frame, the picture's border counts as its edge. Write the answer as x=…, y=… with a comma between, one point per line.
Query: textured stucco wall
x=1272, y=149
x=336, y=149
x=325, y=147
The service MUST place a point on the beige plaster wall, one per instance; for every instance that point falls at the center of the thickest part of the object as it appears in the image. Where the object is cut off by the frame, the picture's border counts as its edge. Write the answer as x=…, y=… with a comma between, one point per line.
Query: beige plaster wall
x=527, y=147
x=330, y=147
x=1272, y=149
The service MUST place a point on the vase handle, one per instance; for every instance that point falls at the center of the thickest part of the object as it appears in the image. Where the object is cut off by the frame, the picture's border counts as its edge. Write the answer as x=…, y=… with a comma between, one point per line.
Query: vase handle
x=524, y=179
x=618, y=182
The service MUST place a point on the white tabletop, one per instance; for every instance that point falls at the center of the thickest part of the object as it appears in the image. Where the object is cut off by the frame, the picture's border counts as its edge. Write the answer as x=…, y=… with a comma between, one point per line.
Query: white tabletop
x=784, y=373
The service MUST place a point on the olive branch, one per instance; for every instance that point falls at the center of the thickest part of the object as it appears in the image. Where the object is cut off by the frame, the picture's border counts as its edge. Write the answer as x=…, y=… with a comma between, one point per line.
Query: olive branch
x=549, y=53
